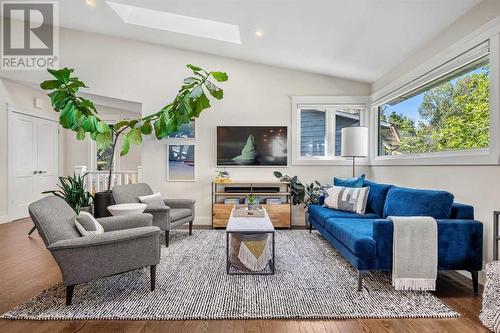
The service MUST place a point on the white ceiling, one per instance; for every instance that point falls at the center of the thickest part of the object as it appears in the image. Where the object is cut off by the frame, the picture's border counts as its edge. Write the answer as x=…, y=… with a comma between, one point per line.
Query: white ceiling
x=356, y=39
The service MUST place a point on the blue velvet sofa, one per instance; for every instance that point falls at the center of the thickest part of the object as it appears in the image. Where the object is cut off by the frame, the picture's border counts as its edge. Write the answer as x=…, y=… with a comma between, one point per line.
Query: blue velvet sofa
x=366, y=240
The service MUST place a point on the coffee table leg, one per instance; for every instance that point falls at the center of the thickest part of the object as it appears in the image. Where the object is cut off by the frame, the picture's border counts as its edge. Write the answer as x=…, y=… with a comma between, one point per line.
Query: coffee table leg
x=274, y=258
x=227, y=252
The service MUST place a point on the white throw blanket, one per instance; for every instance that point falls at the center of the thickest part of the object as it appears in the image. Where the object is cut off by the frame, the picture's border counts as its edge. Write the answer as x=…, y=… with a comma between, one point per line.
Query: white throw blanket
x=414, y=253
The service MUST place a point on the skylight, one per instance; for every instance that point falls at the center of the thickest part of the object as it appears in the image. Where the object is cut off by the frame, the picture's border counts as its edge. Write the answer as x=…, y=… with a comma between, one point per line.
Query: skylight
x=188, y=25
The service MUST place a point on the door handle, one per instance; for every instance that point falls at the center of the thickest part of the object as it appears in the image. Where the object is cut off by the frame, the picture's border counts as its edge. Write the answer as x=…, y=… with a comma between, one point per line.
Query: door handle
x=35, y=172
x=41, y=171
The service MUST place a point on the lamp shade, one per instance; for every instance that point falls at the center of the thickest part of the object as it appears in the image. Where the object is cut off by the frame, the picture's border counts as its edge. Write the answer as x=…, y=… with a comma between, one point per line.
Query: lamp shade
x=354, y=142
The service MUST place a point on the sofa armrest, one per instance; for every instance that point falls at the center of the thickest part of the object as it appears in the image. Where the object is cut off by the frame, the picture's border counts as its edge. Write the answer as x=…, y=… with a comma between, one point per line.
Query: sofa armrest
x=113, y=223
x=157, y=209
x=180, y=203
x=460, y=243
x=106, y=238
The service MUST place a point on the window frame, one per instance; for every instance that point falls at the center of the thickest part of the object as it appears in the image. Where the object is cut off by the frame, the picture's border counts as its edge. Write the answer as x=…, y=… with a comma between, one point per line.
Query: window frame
x=445, y=62
x=325, y=103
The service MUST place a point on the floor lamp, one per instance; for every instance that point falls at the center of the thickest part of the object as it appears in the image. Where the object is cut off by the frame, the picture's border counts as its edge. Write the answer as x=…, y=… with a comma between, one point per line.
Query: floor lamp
x=354, y=144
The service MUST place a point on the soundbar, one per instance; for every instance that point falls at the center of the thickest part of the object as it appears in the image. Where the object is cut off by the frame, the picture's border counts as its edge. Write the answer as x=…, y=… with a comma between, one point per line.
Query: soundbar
x=248, y=189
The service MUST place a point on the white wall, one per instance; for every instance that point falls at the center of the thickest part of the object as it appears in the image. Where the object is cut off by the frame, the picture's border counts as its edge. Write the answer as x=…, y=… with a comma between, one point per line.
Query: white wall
x=475, y=185
x=151, y=75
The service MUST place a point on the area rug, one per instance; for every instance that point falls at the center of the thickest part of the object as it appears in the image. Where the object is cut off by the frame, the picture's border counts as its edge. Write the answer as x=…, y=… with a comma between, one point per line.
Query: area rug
x=312, y=281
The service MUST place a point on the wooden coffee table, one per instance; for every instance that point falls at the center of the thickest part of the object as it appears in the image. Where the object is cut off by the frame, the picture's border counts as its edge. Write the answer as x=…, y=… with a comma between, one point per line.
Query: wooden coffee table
x=250, y=226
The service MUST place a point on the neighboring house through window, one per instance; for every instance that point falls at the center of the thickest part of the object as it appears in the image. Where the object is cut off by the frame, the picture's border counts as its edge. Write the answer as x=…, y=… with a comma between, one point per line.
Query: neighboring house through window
x=318, y=126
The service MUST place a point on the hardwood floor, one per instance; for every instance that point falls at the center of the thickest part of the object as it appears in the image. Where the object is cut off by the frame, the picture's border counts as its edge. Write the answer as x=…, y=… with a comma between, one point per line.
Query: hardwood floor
x=27, y=268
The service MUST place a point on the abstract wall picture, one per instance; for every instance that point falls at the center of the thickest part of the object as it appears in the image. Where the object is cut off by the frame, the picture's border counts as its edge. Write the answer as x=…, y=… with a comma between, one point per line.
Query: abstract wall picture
x=180, y=162
x=186, y=131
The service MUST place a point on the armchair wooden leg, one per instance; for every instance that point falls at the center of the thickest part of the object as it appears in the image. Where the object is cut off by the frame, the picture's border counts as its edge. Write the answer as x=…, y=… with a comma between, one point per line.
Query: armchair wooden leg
x=31, y=231
x=190, y=228
x=153, y=277
x=310, y=227
x=69, y=294
x=167, y=234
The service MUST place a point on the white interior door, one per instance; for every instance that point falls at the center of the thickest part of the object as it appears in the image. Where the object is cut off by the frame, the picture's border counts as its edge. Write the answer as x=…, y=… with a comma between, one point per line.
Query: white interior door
x=33, y=161
x=47, y=157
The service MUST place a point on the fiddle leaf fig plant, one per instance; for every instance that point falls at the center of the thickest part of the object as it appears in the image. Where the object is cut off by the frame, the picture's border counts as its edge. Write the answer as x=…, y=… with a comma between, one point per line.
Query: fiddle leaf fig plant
x=80, y=114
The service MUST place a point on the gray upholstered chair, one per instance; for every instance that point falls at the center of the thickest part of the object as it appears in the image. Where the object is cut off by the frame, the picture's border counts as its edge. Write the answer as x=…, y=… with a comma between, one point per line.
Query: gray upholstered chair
x=129, y=242
x=177, y=212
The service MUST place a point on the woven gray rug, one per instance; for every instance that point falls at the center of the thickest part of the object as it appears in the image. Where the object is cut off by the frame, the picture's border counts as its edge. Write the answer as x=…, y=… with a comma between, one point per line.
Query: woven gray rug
x=312, y=281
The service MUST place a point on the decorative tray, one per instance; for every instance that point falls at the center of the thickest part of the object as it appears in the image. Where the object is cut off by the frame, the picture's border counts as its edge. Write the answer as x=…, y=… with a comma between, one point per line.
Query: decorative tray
x=246, y=211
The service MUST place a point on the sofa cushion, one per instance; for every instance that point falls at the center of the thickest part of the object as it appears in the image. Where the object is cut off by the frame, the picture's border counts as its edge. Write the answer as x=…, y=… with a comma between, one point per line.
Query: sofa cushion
x=402, y=201
x=355, y=234
x=349, y=182
x=376, y=197
x=320, y=214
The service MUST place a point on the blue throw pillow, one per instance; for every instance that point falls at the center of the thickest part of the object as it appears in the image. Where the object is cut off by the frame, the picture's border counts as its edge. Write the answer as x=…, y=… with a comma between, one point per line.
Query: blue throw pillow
x=402, y=201
x=349, y=182
x=376, y=198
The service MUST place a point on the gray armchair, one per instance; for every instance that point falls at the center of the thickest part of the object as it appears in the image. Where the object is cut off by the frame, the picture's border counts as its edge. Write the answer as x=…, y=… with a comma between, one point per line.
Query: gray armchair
x=177, y=212
x=129, y=242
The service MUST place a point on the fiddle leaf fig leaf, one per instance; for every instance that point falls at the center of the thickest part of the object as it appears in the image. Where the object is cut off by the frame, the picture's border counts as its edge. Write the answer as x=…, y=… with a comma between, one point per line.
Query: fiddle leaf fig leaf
x=193, y=67
x=220, y=76
x=215, y=91
x=146, y=128
x=103, y=140
x=80, y=135
x=50, y=84
x=134, y=136
x=196, y=92
x=90, y=124
x=125, y=147
x=67, y=116
x=102, y=127
x=119, y=125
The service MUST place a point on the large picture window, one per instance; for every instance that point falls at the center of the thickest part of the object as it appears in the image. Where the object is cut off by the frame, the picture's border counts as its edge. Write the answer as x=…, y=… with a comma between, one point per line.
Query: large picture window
x=450, y=113
x=320, y=127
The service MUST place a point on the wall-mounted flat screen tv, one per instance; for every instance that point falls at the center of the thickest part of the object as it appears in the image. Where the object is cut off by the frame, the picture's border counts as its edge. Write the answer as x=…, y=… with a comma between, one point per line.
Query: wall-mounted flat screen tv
x=252, y=146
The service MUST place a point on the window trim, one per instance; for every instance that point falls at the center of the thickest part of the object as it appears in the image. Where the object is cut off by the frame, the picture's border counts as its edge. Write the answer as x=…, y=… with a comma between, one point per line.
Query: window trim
x=436, y=67
x=319, y=102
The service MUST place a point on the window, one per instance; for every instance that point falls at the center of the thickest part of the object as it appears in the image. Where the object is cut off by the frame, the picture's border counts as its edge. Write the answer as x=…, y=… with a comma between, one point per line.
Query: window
x=319, y=126
x=450, y=113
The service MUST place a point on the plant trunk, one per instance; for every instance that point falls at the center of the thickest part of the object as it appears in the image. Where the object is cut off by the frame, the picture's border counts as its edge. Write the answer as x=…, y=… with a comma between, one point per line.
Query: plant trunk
x=111, y=164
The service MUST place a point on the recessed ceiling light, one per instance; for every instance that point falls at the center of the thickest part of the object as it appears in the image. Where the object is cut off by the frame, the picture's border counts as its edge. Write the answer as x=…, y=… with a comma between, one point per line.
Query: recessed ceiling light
x=259, y=33
x=91, y=3
x=188, y=25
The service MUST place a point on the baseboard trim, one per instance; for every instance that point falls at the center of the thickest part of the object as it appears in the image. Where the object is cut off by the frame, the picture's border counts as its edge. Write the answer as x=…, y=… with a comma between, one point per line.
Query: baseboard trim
x=5, y=219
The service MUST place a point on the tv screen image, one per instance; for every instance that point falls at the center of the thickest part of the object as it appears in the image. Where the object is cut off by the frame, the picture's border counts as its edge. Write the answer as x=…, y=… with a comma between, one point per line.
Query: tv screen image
x=252, y=146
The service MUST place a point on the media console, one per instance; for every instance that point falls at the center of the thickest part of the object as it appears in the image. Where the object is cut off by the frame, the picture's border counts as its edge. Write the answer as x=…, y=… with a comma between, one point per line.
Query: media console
x=274, y=196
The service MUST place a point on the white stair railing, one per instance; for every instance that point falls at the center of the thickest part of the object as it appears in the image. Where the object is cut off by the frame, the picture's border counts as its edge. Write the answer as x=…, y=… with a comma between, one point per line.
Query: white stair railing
x=97, y=181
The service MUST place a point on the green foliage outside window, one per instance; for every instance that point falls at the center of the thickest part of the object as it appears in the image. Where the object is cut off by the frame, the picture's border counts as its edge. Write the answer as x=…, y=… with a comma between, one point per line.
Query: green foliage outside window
x=454, y=115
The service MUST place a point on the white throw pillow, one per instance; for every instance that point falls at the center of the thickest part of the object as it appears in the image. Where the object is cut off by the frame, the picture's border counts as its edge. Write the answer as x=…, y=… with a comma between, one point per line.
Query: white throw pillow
x=153, y=200
x=88, y=225
x=351, y=199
